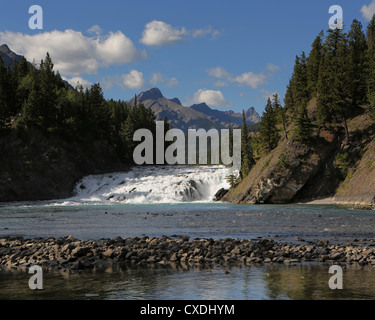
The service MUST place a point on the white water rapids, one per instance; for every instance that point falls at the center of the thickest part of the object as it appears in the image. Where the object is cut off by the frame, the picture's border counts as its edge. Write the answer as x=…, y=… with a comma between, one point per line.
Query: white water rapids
x=156, y=184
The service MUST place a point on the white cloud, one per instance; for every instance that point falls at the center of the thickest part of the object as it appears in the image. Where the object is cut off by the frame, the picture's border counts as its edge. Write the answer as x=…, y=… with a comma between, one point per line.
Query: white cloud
x=219, y=72
x=250, y=79
x=210, y=97
x=220, y=84
x=159, y=33
x=95, y=29
x=173, y=83
x=133, y=80
x=156, y=78
x=272, y=67
x=206, y=31
x=368, y=11
x=74, y=53
x=75, y=81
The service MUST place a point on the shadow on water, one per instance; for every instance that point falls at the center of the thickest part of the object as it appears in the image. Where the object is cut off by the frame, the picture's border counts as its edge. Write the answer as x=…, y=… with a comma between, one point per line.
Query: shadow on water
x=258, y=282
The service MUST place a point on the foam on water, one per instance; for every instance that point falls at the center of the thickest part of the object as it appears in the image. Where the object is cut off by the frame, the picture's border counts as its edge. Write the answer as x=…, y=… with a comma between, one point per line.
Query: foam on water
x=154, y=184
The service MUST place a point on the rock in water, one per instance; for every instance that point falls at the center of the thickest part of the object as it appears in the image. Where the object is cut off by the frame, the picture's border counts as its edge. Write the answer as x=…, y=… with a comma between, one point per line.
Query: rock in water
x=220, y=194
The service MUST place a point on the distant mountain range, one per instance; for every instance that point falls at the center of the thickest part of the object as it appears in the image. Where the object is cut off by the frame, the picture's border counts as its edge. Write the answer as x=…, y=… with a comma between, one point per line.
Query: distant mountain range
x=193, y=117
x=181, y=117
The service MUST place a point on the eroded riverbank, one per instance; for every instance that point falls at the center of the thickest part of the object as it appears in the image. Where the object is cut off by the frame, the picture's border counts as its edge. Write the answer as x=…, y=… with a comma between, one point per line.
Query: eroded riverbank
x=68, y=253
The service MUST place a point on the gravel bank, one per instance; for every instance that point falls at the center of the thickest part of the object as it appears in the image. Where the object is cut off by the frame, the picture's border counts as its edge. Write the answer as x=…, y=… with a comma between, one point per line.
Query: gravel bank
x=73, y=254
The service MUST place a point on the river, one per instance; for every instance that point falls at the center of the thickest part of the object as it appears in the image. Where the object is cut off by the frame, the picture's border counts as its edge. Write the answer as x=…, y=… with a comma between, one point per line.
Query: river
x=180, y=203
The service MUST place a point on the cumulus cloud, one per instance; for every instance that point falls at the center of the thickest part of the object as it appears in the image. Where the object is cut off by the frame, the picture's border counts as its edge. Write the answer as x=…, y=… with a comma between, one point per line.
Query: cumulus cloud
x=133, y=80
x=368, y=11
x=74, y=53
x=159, y=33
x=250, y=79
x=211, y=98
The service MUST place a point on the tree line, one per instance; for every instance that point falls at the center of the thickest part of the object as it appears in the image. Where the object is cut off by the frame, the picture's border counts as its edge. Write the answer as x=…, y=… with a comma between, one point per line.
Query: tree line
x=339, y=72
x=39, y=98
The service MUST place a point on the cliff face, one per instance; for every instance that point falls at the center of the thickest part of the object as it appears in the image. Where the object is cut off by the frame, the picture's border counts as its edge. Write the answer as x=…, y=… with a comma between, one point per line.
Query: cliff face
x=294, y=172
x=36, y=167
x=280, y=176
x=358, y=188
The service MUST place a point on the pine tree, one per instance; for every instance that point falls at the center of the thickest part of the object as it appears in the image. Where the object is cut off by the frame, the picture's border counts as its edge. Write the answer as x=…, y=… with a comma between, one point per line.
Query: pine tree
x=313, y=64
x=268, y=127
x=357, y=63
x=3, y=103
x=48, y=94
x=246, y=150
x=299, y=87
x=334, y=79
x=280, y=113
x=371, y=66
x=288, y=99
x=303, y=126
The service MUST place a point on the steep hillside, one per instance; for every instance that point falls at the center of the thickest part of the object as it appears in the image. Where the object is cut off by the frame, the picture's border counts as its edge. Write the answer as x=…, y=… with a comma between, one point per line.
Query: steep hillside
x=296, y=172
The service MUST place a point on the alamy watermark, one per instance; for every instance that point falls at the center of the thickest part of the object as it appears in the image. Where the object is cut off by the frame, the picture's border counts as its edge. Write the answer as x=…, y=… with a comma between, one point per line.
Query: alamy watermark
x=176, y=152
x=36, y=20
x=337, y=20
x=336, y=281
x=36, y=281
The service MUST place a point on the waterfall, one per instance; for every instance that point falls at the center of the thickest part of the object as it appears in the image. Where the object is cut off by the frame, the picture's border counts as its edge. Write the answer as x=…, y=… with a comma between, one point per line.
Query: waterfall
x=154, y=184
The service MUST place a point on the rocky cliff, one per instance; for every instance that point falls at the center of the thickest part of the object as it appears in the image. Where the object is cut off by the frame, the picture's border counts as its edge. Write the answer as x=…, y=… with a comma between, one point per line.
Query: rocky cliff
x=295, y=172
x=37, y=167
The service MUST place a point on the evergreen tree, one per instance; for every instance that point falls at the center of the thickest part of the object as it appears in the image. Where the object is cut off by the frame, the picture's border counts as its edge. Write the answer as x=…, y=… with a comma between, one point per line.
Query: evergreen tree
x=268, y=127
x=288, y=99
x=299, y=87
x=280, y=113
x=313, y=64
x=48, y=95
x=246, y=150
x=334, y=79
x=357, y=63
x=371, y=65
x=303, y=126
x=3, y=102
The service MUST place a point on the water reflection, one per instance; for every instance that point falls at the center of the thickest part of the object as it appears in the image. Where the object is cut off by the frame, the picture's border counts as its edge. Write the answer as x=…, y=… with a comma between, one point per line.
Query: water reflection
x=167, y=283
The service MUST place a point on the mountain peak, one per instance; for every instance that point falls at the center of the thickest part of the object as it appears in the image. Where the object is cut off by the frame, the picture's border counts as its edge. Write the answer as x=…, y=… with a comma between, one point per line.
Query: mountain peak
x=8, y=56
x=4, y=48
x=152, y=94
x=201, y=107
x=176, y=100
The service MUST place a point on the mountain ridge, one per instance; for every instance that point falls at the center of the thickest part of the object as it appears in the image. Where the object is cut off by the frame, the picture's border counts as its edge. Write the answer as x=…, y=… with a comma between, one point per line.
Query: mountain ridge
x=193, y=117
x=8, y=56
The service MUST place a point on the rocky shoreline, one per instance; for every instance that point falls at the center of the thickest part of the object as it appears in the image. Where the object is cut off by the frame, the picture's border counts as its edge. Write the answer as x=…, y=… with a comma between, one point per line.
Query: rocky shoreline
x=69, y=253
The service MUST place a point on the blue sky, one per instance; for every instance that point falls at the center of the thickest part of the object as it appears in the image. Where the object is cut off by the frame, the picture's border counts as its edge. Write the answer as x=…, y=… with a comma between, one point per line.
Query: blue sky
x=230, y=54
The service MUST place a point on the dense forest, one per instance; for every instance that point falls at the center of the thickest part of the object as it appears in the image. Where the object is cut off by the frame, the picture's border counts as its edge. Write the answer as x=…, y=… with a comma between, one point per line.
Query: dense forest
x=339, y=73
x=38, y=98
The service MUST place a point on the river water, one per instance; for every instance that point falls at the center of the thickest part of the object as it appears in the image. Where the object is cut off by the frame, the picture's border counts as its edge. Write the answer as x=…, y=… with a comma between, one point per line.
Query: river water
x=107, y=206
